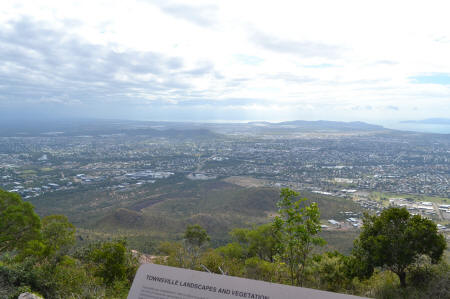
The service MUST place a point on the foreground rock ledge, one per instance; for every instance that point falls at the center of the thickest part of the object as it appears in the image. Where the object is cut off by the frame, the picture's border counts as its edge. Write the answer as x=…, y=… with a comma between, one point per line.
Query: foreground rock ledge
x=29, y=296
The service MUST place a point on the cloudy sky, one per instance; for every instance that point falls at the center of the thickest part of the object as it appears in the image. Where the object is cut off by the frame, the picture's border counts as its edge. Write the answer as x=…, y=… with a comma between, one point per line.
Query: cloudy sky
x=374, y=61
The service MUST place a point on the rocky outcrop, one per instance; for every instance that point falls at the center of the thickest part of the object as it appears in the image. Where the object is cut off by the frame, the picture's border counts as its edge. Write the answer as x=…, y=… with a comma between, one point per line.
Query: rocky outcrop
x=29, y=296
x=146, y=258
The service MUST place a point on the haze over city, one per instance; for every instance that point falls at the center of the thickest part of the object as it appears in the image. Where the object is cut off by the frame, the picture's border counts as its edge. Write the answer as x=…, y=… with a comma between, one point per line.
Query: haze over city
x=379, y=62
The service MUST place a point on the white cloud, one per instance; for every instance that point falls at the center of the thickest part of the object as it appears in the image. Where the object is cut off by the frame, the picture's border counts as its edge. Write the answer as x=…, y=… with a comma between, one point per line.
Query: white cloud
x=284, y=56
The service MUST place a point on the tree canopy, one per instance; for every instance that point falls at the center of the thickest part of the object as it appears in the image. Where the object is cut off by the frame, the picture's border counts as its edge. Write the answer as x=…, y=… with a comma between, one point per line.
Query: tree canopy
x=58, y=233
x=113, y=262
x=43, y=256
x=18, y=222
x=395, y=239
x=195, y=235
x=297, y=227
x=261, y=241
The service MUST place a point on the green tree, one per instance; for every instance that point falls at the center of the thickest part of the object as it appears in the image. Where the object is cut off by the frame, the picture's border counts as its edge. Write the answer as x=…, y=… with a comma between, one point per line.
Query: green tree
x=217, y=261
x=329, y=271
x=297, y=227
x=187, y=253
x=58, y=234
x=261, y=241
x=19, y=224
x=196, y=236
x=232, y=251
x=195, y=241
x=57, y=238
x=357, y=264
x=255, y=268
x=114, y=263
x=174, y=252
x=395, y=240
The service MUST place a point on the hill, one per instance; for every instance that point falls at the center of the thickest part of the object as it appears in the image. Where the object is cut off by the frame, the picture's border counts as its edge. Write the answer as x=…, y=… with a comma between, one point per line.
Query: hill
x=101, y=127
x=331, y=125
x=95, y=127
x=163, y=210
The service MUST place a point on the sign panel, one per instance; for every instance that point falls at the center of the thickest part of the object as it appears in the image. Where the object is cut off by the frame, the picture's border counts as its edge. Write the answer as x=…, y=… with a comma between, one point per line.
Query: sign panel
x=162, y=282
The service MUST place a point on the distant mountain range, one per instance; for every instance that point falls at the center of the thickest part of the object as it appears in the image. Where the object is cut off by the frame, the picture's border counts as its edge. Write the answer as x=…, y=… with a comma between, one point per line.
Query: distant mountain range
x=429, y=121
x=332, y=125
x=175, y=129
x=100, y=128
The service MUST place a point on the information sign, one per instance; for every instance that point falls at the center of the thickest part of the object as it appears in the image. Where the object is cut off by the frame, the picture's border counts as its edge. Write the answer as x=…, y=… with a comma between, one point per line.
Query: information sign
x=162, y=282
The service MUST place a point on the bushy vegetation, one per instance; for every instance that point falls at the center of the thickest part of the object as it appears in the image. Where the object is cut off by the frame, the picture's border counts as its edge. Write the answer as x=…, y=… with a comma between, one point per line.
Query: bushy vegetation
x=396, y=255
x=42, y=259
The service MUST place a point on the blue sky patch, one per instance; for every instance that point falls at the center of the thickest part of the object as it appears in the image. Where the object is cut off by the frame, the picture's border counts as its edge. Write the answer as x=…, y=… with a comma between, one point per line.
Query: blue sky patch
x=436, y=78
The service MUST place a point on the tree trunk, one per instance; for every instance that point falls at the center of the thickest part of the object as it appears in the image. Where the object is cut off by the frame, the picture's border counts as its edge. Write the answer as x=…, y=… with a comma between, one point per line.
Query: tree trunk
x=291, y=269
x=402, y=276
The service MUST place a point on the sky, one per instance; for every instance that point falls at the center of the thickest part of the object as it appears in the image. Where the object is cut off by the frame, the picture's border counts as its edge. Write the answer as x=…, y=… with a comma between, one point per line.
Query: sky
x=374, y=61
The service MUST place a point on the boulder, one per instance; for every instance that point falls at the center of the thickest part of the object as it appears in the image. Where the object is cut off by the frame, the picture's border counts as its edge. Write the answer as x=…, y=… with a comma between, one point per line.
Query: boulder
x=29, y=296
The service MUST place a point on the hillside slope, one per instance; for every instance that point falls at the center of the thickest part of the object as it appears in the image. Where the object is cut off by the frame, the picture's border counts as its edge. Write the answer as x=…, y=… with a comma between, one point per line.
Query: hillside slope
x=162, y=210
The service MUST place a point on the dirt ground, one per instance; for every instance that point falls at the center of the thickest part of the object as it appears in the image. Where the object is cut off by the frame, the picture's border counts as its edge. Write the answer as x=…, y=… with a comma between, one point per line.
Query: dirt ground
x=246, y=181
